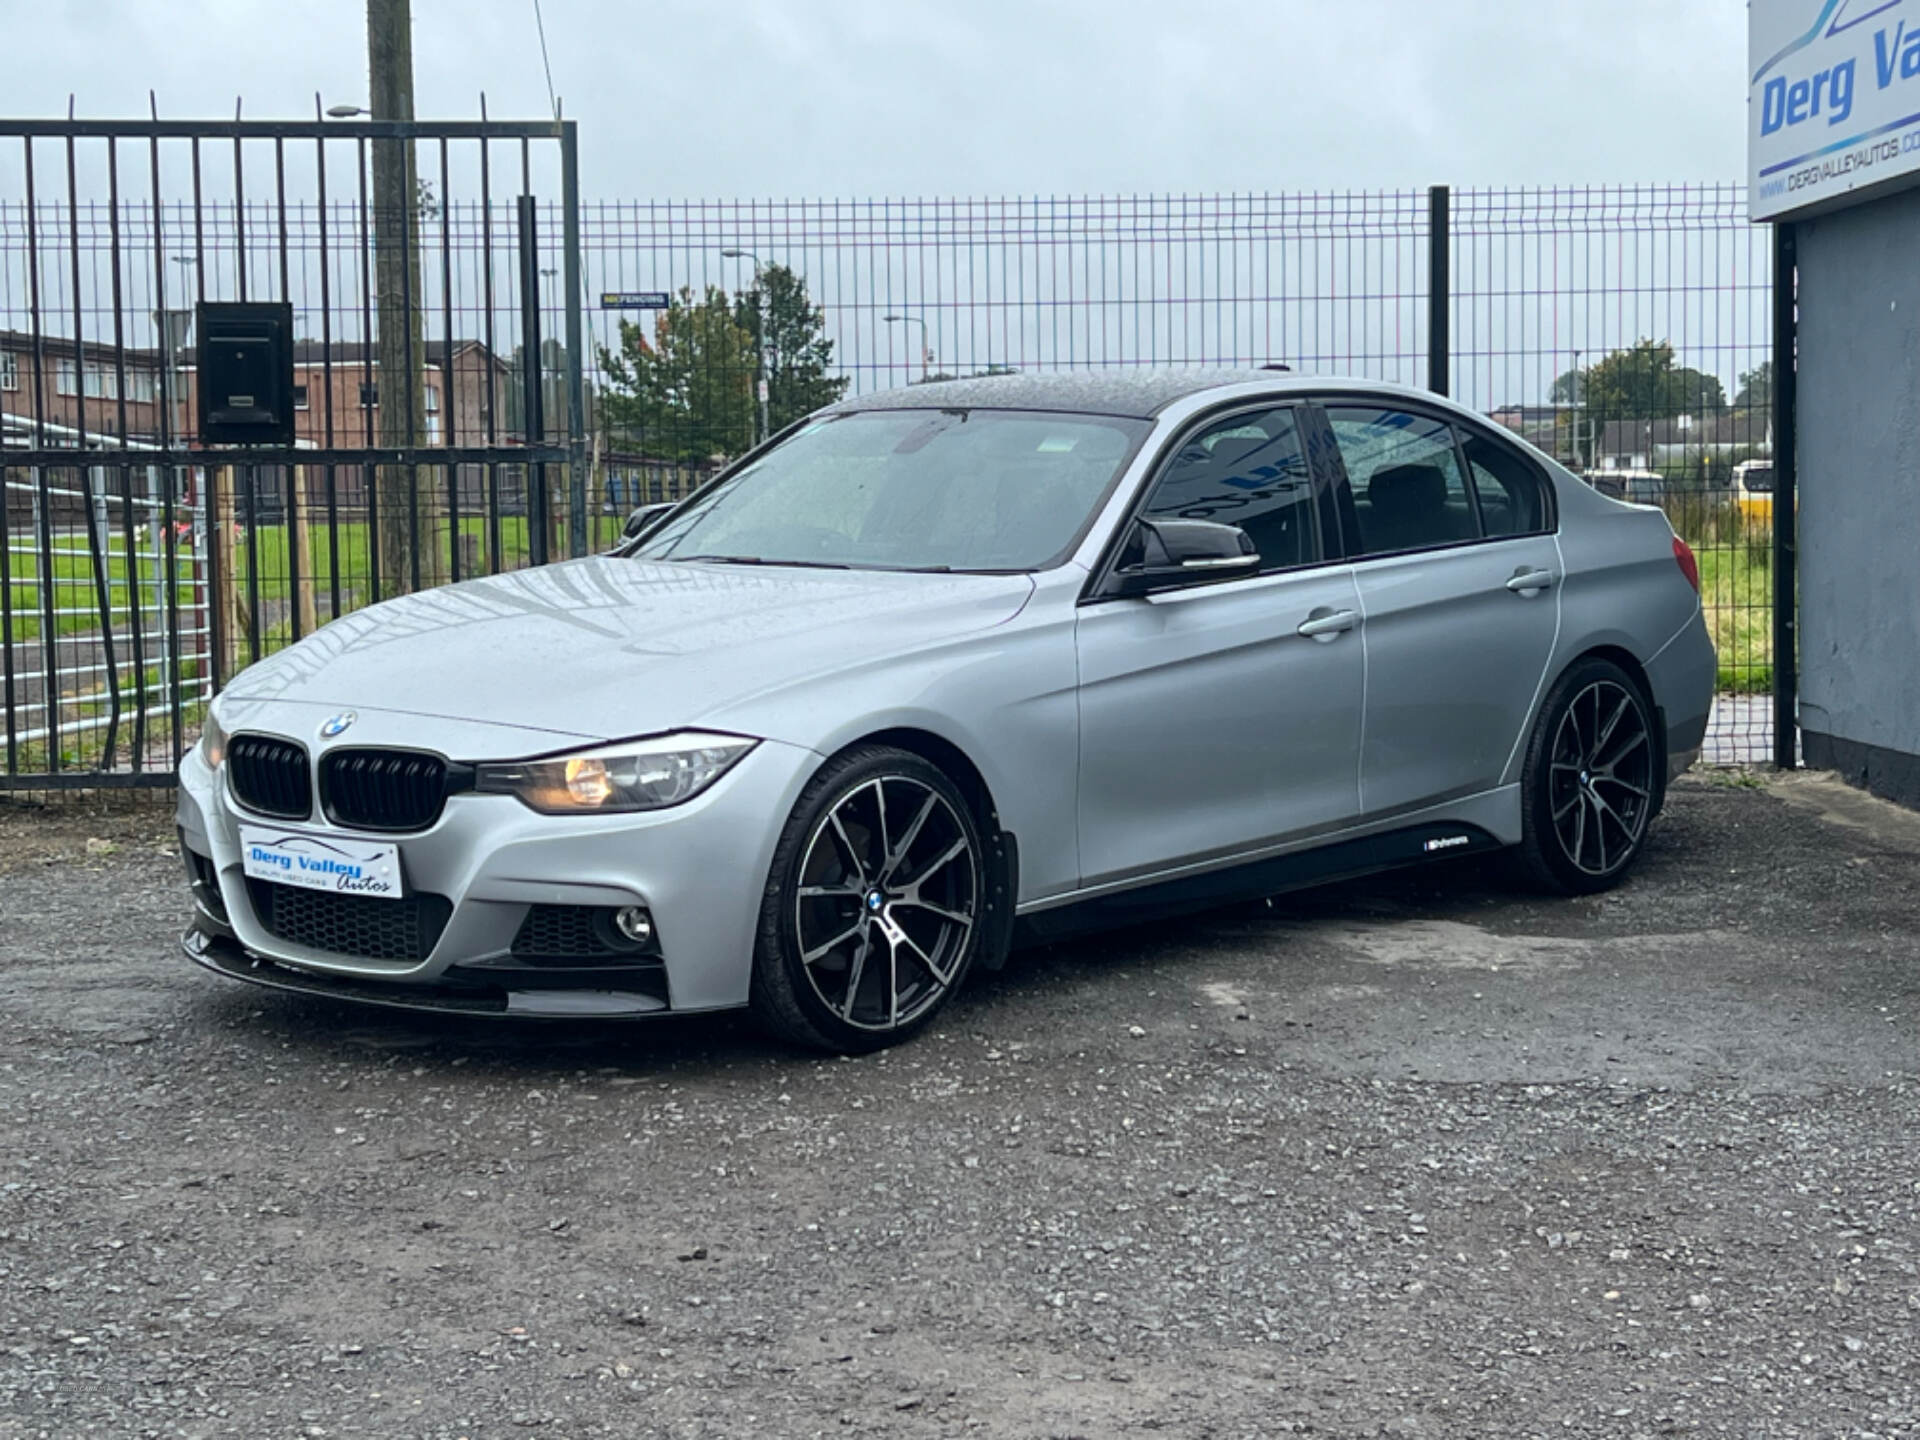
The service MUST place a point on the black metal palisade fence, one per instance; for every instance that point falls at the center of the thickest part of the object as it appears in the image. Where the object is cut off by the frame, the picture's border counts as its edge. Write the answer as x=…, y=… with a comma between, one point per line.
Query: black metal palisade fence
x=566, y=361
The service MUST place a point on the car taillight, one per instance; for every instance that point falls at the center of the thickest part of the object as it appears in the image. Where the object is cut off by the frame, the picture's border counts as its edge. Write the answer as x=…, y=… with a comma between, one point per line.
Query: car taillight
x=1689, y=567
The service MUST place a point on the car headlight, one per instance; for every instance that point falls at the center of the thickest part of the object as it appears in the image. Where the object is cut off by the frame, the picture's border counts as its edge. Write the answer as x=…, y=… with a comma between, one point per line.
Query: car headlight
x=614, y=779
x=213, y=742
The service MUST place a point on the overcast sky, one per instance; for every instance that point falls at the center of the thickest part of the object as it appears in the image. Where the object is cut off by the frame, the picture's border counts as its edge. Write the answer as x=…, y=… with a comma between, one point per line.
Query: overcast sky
x=679, y=99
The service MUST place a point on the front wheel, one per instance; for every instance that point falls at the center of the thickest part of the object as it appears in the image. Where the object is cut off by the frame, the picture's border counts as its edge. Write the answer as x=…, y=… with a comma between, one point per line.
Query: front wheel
x=874, y=903
x=1591, y=781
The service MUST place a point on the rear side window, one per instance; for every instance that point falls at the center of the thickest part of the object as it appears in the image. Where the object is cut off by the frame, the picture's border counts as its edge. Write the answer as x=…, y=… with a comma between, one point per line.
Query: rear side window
x=1404, y=471
x=1509, y=489
x=1250, y=471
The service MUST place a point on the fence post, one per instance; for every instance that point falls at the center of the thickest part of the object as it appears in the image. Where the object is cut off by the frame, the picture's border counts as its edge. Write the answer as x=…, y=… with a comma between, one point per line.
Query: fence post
x=1439, y=290
x=533, y=424
x=579, y=471
x=1786, y=399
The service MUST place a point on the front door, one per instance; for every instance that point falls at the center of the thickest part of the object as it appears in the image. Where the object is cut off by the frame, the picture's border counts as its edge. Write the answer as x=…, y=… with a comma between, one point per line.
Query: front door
x=1210, y=724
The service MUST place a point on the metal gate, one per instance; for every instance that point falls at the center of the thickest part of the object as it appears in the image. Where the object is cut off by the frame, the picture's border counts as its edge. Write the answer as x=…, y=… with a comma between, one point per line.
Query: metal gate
x=440, y=427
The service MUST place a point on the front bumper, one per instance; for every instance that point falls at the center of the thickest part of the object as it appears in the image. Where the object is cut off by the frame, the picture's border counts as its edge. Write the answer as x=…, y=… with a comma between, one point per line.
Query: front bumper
x=700, y=869
x=510, y=996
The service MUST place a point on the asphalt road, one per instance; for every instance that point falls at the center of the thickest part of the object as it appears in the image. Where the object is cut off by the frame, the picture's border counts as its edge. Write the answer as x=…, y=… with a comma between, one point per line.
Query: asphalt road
x=1409, y=1157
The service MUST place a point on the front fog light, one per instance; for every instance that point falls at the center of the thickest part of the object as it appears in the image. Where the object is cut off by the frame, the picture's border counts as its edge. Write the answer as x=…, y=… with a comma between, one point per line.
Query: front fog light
x=634, y=923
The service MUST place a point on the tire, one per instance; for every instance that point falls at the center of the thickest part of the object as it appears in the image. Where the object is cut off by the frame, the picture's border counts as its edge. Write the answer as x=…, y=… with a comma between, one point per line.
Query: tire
x=1590, y=786
x=875, y=906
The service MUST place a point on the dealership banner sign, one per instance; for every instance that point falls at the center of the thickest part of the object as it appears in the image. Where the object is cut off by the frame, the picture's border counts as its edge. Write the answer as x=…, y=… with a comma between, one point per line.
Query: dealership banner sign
x=1833, y=103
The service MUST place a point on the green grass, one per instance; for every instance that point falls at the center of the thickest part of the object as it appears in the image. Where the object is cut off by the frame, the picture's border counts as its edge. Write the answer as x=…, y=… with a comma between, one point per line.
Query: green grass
x=1736, y=587
x=266, y=551
x=1736, y=583
x=270, y=545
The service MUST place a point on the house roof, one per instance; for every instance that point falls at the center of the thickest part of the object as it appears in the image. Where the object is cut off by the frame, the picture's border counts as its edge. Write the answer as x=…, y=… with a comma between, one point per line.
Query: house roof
x=350, y=353
x=1726, y=427
x=59, y=346
x=305, y=352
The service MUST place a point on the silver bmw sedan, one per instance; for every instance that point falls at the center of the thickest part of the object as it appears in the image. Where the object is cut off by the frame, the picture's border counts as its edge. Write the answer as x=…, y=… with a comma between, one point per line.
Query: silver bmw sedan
x=938, y=669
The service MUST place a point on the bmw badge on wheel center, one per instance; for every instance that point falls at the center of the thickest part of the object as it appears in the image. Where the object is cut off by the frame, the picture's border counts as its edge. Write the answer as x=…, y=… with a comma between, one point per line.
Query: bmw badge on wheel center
x=939, y=669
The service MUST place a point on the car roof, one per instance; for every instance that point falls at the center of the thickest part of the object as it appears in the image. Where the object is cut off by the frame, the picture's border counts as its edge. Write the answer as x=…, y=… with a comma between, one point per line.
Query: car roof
x=1139, y=394
x=1134, y=394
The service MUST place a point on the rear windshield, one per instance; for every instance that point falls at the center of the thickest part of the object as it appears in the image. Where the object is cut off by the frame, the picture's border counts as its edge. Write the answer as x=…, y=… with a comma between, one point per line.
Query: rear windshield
x=911, y=490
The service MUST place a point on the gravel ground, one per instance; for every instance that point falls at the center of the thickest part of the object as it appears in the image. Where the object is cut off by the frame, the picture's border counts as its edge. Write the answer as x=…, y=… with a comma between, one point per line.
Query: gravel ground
x=1411, y=1157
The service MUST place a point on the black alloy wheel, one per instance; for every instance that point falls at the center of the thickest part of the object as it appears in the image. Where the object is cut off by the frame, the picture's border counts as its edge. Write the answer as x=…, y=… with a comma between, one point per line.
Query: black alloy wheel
x=1592, y=781
x=874, y=904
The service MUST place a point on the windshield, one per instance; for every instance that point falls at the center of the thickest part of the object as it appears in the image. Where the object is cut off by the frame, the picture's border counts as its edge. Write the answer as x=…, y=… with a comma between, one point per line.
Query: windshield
x=910, y=490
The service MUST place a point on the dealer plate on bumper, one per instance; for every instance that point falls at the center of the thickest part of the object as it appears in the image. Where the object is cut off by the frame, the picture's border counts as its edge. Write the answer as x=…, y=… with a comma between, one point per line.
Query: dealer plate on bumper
x=335, y=864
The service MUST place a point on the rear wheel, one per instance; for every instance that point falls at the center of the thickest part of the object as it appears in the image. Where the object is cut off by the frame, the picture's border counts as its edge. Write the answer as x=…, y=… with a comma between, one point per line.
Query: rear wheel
x=1591, y=783
x=874, y=904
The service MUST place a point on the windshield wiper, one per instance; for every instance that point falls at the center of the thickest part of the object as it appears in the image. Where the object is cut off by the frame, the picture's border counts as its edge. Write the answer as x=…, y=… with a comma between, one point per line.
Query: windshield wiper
x=761, y=560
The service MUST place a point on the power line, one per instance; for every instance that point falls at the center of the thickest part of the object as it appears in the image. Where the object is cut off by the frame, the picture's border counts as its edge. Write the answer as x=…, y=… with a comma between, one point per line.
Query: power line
x=541, y=26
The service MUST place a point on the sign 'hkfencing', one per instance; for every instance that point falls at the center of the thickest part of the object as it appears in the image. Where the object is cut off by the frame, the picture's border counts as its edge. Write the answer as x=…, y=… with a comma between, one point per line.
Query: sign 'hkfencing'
x=1833, y=102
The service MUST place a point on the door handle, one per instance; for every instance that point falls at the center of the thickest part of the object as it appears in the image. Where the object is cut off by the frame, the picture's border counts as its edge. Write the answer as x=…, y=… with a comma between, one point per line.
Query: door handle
x=1530, y=582
x=1325, y=625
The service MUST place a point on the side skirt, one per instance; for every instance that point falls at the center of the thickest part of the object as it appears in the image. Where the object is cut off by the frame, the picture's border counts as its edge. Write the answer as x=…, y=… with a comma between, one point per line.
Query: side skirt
x=1389, y=850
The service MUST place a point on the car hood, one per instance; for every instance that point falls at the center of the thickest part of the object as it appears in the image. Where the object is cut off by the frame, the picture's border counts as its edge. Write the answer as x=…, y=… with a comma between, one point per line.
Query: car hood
x=609, y=648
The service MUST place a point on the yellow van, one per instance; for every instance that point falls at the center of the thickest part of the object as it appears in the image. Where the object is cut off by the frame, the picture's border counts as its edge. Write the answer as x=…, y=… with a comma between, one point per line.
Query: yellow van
x=1753, y=490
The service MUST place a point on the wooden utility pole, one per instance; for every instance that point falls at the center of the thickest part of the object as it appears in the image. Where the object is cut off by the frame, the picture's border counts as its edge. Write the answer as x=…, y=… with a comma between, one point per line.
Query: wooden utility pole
x=407, y=507
x=233, y=605
x=298, y=542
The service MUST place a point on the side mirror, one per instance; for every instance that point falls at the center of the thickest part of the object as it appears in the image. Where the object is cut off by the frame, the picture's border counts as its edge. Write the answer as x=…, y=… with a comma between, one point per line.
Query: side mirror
x=1165, y=553
x=641, y=520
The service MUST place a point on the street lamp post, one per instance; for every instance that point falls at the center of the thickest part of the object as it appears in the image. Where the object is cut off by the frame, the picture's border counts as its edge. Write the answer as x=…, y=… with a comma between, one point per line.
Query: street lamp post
x=925, y=354
x=760, y=336
x=1579, y=394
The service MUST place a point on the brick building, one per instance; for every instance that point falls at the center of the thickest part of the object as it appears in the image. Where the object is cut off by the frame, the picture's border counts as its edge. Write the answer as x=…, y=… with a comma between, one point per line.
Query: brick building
x=76, y=385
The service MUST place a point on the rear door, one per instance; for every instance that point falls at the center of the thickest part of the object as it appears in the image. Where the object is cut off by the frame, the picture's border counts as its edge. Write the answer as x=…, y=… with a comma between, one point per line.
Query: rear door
x=1450, y=534
x=1211, y=722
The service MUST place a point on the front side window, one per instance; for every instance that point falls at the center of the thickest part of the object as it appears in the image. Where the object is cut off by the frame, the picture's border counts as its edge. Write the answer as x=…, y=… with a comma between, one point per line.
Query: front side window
x=1250, y=471
x=910, y=490
x=1408, y=491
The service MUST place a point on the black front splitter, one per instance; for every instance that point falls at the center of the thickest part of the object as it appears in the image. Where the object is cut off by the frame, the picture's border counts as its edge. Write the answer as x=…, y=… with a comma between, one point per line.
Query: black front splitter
x=226, y=956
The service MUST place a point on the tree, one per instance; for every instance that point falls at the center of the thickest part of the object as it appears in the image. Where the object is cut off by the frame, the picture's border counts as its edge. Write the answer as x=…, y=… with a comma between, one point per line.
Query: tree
x=1569, y=389
x=798, y=351
x=1756, y=388
x=688, y=393
x=1644, y=383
